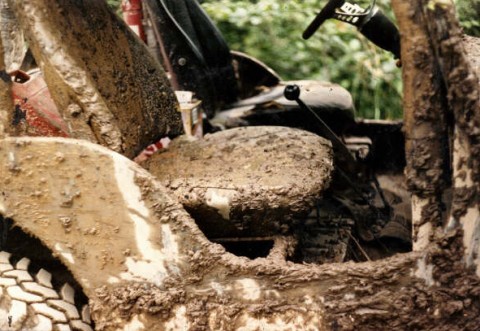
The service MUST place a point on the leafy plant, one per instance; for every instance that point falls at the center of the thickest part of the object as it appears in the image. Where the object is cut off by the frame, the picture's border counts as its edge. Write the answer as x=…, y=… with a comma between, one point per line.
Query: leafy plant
x=115, y=5
x=271, y=31
x=469, y=12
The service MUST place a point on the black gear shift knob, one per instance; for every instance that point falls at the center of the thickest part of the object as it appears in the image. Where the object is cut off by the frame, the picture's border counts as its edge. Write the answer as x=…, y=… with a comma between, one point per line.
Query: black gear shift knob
x=292, y=92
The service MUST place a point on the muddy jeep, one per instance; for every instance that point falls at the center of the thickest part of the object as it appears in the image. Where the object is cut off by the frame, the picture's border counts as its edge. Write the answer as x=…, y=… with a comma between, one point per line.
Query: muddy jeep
x=251, y=183
x=137, y=244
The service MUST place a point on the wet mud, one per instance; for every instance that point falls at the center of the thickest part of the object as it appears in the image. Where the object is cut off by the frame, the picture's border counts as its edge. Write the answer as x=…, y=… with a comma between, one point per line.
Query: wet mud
x=103, y=79
x=144, y=263
x=252, y=181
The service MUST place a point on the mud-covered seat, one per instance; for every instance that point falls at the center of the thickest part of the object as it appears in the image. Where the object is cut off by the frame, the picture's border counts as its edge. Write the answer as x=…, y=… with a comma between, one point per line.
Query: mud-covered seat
x=200, y=60
x=251, y=181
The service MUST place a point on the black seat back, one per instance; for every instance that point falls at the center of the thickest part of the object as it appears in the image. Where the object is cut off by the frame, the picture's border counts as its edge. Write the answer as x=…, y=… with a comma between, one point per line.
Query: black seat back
x=194, y=51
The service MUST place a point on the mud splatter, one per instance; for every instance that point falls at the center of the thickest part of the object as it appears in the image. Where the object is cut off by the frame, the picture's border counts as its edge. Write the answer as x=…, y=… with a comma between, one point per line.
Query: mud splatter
x=253, y=180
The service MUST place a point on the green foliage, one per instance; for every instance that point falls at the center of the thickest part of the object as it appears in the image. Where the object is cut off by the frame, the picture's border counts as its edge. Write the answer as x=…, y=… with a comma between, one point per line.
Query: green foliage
x=115, y=5
x=468, y=13
x=271, y=31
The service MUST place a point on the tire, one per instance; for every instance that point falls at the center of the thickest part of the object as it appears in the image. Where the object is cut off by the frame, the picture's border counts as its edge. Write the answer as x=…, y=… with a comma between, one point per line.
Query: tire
x=30, y=302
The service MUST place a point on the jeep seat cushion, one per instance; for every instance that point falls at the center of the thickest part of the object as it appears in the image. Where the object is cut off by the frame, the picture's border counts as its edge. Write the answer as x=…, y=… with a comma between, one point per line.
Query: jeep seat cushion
x=333, y=103
x=250, y=181
x=323, y=96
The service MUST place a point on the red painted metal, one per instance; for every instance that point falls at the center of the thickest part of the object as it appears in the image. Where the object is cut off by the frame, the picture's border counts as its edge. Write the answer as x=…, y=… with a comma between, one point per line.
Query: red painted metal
x=133, y=16
x=33, y=102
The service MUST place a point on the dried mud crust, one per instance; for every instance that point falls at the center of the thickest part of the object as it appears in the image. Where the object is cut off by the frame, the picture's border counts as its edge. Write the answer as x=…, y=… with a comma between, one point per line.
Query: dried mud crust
x=105, y=83
x=472, y=48
x=325, y=235
x=204, y=288
x=32, y=303
x=253, y=180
